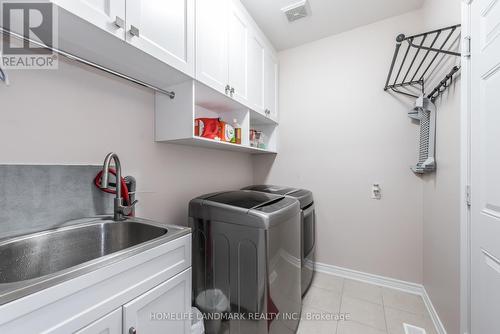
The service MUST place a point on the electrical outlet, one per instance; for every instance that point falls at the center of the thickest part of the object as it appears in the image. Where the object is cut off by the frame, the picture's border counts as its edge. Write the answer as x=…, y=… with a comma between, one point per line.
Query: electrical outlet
x=376, y=191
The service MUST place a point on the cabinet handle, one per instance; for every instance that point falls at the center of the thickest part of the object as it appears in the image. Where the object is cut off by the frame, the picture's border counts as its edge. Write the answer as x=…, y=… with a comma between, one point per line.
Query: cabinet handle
x=134, y=31
x=232, y=91
x=132, y=330
x=119, y=22
x=268, y=112
x=228, y=88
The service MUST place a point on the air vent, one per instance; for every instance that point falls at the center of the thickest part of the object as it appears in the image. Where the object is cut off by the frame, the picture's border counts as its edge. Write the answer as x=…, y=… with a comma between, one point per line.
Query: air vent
x=296, y=11
x=410, y=329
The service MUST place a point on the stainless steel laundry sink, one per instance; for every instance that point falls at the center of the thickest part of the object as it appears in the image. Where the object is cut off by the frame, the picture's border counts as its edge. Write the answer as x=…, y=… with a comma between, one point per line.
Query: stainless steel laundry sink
x=32, y=262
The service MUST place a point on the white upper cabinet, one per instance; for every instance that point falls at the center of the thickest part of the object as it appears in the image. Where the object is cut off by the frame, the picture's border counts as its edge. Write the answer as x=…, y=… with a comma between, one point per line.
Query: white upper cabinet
x=108, y=15
x=271, y=85
x=239, y=29
x=212, y=43
x=233, y=58
x=256, y=51
x=163, y=29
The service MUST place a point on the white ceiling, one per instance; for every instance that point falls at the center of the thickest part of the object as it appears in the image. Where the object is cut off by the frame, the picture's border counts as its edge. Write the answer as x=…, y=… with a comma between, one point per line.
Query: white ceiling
x=328, y=17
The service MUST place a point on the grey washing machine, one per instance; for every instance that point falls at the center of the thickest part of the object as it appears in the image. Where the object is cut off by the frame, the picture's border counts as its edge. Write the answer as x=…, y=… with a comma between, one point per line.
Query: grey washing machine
x=246, y=262
x=308, y=227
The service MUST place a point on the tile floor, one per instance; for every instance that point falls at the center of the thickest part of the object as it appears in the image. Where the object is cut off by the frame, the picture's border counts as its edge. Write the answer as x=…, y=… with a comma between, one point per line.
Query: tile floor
x=372, y=309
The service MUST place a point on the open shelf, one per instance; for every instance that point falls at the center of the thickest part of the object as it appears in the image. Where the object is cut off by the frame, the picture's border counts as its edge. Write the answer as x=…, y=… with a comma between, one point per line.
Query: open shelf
x=175, y=119
x=259, y=119
x=220, y=145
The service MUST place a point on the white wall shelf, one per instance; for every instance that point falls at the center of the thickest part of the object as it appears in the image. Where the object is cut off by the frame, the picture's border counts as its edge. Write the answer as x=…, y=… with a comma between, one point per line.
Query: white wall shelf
x=220, y=145
x=174, y=118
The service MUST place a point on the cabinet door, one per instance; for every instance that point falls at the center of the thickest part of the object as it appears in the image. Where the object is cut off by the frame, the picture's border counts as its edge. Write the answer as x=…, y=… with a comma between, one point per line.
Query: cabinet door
x=256, y=73
x=109, y=324
x=163, y=29
x=271, y=85
x=108, y=15
x=212, y=43
x=238, y=53
x=146, y=314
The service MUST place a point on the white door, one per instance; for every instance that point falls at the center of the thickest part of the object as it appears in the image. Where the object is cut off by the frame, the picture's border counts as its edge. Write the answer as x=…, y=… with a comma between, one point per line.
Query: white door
x=146, y=314
x=108, y=15
x=271, y=85
x=256, y=73
x=485, y=164
x=238, y=53
x=109, y=324
x=212, y=43
x=164, y=29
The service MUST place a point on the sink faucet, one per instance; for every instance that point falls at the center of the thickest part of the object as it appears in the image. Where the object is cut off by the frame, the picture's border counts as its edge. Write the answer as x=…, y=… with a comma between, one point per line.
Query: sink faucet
x=120, y=210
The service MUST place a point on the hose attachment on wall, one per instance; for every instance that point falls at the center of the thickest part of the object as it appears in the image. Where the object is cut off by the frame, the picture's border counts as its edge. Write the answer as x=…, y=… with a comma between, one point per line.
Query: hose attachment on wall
x=124, y=188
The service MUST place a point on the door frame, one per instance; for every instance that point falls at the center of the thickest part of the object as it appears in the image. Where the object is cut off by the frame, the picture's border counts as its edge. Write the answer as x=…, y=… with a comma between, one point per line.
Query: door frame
x=465, y=173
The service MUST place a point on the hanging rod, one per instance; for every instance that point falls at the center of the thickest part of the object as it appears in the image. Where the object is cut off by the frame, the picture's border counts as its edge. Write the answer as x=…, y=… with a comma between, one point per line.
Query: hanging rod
x=73, y=57
x=415, y=59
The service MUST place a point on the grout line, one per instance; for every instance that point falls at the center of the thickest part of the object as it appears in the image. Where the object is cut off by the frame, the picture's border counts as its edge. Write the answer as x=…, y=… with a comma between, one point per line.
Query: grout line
x=340, y=304
x=385, y=314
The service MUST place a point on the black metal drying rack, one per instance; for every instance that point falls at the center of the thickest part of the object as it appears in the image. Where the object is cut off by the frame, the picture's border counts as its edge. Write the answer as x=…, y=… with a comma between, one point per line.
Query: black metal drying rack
x=416, y=61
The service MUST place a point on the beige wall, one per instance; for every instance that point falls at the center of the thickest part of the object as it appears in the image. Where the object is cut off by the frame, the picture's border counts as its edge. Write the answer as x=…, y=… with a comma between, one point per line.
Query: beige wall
x=441, y=204
x=76, y=116
x=340, y=133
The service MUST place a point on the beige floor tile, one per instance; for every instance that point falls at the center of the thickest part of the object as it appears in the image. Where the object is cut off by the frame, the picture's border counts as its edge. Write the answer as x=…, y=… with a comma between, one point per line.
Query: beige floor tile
x=395, y=319
x=351, y=327
x=317, y=327
x=306, y=308
x=403, y=301
x=310, y=313
x=365, y=291
x=325, y=300
x=364, y=312
x=328, y=282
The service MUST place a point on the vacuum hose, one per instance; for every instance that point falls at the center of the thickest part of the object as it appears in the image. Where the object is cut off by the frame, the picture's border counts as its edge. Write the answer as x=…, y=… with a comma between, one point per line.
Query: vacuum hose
x=124, y=194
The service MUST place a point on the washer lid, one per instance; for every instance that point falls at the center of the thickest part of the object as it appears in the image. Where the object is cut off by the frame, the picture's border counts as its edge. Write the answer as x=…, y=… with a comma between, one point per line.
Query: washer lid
x=279, y=190
x=244, y=199
x=304, y=196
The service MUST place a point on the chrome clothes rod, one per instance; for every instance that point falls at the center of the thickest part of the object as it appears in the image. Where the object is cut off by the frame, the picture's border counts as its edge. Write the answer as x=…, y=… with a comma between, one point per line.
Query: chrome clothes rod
x=87, y=62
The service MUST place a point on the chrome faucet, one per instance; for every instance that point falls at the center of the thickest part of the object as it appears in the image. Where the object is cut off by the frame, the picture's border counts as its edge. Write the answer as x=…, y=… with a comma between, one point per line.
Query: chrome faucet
x=120, y=210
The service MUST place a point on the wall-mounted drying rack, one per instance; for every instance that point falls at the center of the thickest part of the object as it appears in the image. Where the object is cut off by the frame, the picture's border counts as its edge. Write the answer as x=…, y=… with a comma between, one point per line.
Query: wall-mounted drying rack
x=411, y=69
x=418, y=60
x=73, y=57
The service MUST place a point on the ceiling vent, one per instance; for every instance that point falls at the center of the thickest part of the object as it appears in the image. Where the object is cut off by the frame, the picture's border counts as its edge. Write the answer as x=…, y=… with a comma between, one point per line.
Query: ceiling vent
x=296, y=11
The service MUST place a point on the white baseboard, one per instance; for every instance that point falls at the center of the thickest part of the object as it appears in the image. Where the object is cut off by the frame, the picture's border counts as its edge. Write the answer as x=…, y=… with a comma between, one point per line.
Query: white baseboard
x=432, y=311
x=392, y=283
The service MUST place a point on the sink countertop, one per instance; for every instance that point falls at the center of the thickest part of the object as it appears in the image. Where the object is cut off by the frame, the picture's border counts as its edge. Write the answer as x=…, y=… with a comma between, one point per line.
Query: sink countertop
x=13, y=290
